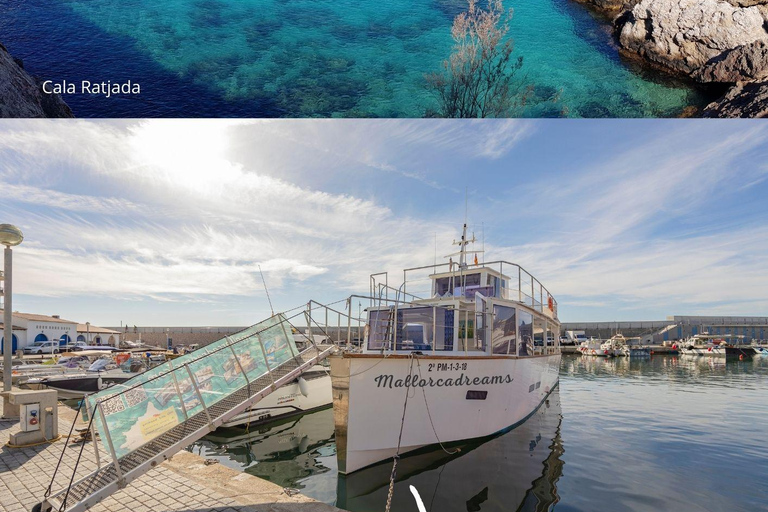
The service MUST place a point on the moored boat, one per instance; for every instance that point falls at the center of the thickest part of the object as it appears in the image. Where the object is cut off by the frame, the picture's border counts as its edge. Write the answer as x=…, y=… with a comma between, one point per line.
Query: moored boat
x=590, y=347
x=708, y=345
x=309, y=392
x=475, y=358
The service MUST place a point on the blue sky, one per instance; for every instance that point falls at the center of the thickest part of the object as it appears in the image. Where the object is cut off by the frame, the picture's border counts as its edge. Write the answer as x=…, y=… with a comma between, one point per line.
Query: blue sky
x=165, y=222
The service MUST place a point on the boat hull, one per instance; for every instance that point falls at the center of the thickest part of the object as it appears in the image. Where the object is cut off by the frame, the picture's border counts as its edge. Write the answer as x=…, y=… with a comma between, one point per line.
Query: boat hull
x=293, y=398
x=450, y=399
x=77, y=386
x=703, y=352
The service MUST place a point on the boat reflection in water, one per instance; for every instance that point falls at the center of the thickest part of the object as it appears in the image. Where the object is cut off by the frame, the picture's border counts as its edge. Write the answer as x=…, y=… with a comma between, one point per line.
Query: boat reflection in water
x=286, y=452
x=517, y=470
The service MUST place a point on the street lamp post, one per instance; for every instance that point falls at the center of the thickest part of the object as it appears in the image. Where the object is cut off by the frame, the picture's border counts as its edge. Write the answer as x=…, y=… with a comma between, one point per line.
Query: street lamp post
x=87, y=333
x=9, y=236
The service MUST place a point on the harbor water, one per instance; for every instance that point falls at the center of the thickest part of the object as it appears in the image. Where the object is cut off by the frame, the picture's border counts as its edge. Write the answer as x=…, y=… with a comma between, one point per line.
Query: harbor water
x=655, y=434
x=271, y=58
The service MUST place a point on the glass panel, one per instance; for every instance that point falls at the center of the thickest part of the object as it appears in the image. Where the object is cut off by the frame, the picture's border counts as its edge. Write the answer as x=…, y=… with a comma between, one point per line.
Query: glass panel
x=466, y=331
x=551, y=335
x=443, y=286
x=539, y=332
x=414, y=329
x=149, y=404
x=504, y=334
x=525, y=332
x=378, y=329
x=444, y=329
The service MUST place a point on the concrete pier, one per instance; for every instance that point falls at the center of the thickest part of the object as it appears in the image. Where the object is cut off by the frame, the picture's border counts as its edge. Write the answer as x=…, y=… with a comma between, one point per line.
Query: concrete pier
x=184, y=483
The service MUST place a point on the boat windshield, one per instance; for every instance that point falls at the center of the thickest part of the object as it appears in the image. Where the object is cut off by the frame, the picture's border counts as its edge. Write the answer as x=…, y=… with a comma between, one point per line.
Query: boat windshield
x=98, y=365
x=418, y=328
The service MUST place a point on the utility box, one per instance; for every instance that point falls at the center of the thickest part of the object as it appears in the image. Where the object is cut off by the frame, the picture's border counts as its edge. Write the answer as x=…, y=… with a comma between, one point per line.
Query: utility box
x=30, y=417
x=39, y=416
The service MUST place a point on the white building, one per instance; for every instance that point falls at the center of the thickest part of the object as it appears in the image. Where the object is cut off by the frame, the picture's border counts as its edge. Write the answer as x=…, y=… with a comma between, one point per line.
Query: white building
x=29, y=328
x=94, y=335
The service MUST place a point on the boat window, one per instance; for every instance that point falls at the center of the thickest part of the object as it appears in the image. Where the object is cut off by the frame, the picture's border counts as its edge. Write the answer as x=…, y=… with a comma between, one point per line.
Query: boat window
x=444, y=286
x=504, y=340
x=525, y=333
x=420, y=328
x=415, y=329
x=539, y=332
x=378, y=328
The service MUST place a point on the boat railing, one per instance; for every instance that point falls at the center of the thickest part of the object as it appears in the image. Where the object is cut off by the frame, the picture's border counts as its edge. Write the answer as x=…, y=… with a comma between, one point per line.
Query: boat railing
x=159, y=412
x=518, y=284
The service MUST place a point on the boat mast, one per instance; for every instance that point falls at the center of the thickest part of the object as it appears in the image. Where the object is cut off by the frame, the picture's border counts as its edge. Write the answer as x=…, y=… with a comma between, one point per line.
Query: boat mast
x=463, y=247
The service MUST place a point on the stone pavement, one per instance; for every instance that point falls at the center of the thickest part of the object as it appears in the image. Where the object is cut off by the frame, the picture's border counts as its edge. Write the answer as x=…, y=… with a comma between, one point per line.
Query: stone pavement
x=183, y=483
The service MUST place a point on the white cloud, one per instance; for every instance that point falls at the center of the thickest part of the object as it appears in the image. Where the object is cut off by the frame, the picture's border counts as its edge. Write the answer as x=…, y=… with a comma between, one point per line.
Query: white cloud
x=169, y=210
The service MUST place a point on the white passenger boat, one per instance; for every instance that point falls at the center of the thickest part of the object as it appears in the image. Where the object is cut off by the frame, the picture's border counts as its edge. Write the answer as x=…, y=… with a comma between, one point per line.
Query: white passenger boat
x=469, y=361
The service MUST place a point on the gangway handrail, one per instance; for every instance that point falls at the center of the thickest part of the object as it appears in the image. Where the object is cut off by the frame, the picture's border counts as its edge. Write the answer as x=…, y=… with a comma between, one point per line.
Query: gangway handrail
x=135, y=461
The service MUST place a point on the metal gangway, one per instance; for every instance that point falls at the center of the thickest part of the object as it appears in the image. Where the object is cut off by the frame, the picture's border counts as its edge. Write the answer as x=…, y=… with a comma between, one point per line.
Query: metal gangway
x=152, y=416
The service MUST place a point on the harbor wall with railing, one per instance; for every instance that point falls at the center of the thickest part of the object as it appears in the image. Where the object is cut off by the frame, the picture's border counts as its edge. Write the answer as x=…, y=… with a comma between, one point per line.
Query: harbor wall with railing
x=677, y=328
x=654, y=331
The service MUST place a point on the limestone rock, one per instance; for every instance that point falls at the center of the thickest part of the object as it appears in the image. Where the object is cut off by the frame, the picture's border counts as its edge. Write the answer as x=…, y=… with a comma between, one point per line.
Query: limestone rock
x=742, y=100
x=682, y=35
x=611, y=6
x=21, y=95
x=747, y=3
x=745, y=63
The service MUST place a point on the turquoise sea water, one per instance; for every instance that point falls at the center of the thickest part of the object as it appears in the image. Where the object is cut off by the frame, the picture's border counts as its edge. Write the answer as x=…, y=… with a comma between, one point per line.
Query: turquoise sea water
x=660, y=434
x=323, y=57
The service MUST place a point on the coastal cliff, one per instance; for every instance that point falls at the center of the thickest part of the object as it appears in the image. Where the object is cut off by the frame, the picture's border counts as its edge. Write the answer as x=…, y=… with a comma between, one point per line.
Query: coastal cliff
x=721, y=44
x=21, y=94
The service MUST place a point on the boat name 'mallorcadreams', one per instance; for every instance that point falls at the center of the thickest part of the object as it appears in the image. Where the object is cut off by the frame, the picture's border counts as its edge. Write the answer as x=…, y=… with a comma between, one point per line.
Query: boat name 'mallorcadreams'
x=389, y=381
x=106, y=89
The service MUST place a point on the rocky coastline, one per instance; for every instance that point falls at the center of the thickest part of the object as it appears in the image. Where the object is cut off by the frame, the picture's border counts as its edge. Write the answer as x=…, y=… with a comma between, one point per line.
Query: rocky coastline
x=720, y=44
x=21, y=95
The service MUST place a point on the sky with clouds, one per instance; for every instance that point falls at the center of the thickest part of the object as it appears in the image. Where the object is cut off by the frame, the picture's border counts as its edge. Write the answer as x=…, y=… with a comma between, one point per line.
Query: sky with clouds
x=166, y=222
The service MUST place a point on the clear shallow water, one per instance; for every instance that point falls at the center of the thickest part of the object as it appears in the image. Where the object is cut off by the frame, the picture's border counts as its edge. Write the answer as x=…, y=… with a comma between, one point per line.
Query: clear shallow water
x=265, y=58
x=662, y=434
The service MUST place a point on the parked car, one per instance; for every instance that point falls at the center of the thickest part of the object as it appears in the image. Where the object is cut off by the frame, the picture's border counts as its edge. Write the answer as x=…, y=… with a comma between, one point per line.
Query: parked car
x=43, y=347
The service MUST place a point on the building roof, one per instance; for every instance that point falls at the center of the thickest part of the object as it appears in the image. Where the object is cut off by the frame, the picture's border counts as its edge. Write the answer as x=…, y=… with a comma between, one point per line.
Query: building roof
x=15, y=327
x=41, y=318
x=95, y=329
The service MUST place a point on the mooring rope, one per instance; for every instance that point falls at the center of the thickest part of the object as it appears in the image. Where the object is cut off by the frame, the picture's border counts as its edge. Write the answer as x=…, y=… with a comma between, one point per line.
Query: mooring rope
x=392, y=476
x=56, y=470
x=429, y=415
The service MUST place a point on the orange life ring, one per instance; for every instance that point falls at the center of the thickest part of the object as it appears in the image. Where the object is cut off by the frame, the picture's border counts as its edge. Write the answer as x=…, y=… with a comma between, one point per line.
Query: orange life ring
x=551, y=303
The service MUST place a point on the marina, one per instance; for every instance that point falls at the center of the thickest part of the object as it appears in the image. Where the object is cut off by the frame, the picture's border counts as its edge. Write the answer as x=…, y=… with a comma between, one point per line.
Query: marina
x=651, y=410
x=281, y=339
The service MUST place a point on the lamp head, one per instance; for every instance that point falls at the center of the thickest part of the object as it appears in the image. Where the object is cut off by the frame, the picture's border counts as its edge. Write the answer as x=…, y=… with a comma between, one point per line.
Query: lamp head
x=10, y=235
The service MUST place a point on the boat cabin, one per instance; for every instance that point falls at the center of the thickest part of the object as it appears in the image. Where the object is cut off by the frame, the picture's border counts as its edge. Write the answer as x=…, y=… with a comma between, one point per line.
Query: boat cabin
x=473, y=310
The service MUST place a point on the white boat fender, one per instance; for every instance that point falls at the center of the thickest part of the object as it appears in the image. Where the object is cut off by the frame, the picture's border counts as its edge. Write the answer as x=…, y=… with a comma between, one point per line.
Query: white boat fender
x=303, y=386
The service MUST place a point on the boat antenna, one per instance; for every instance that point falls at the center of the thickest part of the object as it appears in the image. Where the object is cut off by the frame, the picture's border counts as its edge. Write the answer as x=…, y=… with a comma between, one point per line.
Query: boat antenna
x=266, y=290
x=466, y=205
x=435, y=266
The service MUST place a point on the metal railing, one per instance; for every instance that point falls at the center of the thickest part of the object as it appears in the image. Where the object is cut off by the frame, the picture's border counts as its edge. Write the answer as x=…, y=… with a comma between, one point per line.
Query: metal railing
x=148, y=419
x=528, y=289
